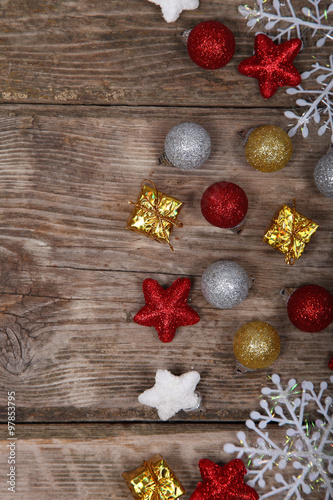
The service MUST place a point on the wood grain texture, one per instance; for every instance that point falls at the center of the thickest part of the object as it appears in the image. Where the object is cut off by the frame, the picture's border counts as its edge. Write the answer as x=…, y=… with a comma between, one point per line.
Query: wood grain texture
x=85, y=462
x=123, y=52
x=88, y=92
x=72, y=275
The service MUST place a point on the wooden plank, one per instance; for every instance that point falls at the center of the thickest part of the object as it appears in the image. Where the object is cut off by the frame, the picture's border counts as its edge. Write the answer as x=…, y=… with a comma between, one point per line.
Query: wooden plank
x=123, y=52
x=86, y=461
x=72, y=276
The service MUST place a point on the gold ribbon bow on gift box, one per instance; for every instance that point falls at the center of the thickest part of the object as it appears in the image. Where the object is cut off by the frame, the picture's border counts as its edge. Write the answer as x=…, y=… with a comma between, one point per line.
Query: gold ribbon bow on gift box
x=290, y=232
x=154, y=480
x=155, y=213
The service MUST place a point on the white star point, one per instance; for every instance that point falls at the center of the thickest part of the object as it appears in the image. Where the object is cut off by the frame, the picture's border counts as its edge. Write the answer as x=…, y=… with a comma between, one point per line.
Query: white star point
x=171, y=9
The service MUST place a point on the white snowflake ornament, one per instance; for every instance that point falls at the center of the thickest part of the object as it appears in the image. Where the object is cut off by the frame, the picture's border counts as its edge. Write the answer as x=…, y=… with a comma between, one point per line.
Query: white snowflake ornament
x=307, y=448
x=171, y=9
x=318, y=103
x=171, y=393
x=282, y=15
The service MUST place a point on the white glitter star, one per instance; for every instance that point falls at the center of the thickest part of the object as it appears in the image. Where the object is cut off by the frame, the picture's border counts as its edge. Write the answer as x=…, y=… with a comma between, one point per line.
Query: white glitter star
x=171, y=9
x=171, y=394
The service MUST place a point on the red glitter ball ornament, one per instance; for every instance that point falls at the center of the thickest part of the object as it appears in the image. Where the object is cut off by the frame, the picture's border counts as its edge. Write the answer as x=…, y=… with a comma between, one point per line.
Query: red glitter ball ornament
x=211, y=45
x=224, y=204
x=166, y=309
x=223, y=483
x=330, y=364
x=310, y=308
x=272, y=64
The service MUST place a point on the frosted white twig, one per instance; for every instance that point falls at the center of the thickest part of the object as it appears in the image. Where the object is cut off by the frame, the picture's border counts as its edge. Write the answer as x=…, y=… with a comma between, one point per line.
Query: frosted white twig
x=317, y=102
x=290, y=25
x=308, y=446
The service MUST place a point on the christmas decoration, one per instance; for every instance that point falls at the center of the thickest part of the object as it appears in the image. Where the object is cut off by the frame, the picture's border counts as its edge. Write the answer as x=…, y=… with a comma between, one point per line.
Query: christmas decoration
x=171, y=9
x=310, y=308
x=268, y=148
x=154, y=480
x=223, y=483
x=319, y=101
x=154, y=214
x=307, y=447
x=211, y=45
x=288, y=23
x=272, y=64
x=224, y=204
x=171, y=394
x=256, y=345
x=225, y=284
x=187, y=146
x=166, y=310
x=290, y=232
x=330, y=364
x=323, y=174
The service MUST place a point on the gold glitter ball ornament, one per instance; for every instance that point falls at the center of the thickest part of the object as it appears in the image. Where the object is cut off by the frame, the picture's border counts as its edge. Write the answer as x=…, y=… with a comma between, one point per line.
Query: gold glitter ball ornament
x=256, y=345
x=268, y=148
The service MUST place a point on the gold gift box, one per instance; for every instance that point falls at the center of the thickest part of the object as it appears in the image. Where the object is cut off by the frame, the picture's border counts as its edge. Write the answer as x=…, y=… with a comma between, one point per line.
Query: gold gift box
x=290, y=232
x=154, y=214
x=154, y=480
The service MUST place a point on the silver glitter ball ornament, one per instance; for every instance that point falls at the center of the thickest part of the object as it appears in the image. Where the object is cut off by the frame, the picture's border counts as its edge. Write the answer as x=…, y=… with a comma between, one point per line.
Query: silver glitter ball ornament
x=323, y=175
x=187, y=146
x=225, y=284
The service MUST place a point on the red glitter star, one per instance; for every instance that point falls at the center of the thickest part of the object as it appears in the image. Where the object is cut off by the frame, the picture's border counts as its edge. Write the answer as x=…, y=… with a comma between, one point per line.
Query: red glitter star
x=272, y=64
x=223, y=483
x=166, y=309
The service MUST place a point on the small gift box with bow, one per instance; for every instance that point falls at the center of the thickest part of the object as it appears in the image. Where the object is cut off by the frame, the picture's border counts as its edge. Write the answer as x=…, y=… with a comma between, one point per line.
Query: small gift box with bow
x=154, y=214
x=154, y=480
x=290, y=232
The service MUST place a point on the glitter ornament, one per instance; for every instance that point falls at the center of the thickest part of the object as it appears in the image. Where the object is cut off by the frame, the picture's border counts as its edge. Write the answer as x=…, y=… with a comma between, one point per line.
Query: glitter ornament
x=225, y=284
x=310, y=308
x=211, y=45
x=323, y=174
x=256, y=345
x=224, y=204
x=166, y=309
x=330, y=364
x=187, y=146
x=272, y=64
x=268, y=148
x=223, y=483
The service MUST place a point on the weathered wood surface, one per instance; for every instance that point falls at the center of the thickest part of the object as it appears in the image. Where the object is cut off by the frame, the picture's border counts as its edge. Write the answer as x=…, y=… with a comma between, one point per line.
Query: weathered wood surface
x=85, y=462
x=123, y=52
x=71, y=275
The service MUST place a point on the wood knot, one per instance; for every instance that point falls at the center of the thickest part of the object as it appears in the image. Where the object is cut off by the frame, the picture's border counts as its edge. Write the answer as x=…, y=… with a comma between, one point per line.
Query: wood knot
x=14, y=355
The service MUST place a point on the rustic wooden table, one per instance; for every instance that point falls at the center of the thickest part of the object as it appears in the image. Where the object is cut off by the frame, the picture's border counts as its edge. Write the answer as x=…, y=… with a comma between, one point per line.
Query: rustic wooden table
x=89, y=90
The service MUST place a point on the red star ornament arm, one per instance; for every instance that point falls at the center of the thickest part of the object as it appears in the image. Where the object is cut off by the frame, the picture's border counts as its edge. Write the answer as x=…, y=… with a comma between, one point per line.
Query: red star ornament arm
x=178, y=294
x=166, y=309
x=272, y=65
